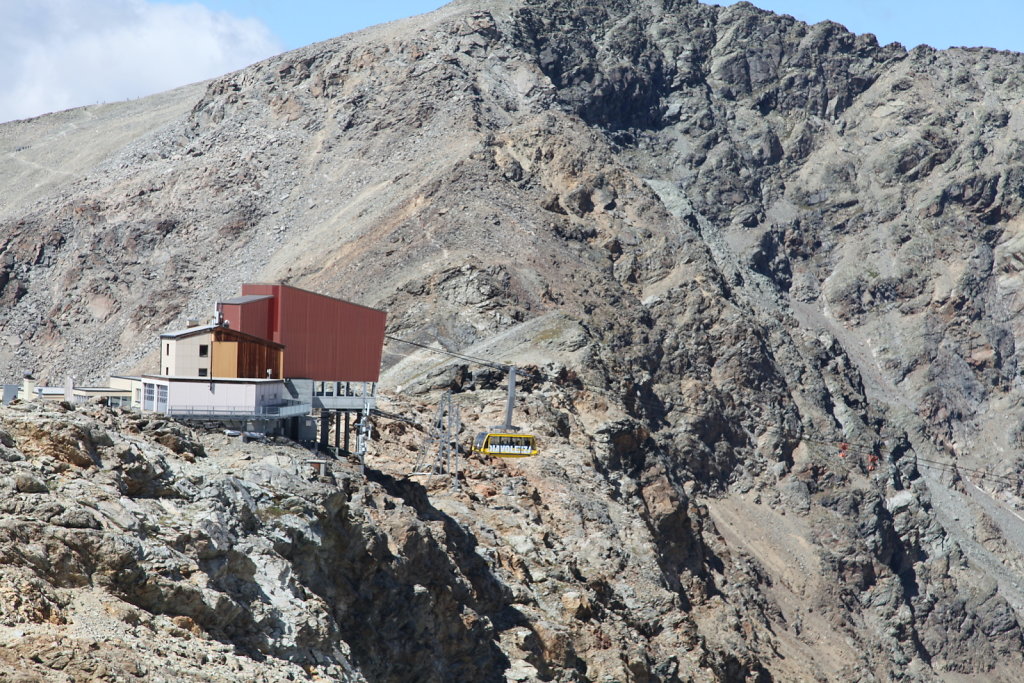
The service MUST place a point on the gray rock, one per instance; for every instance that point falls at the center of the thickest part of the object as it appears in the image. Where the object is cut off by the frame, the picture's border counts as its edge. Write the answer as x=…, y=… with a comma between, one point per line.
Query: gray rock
x=25, y=482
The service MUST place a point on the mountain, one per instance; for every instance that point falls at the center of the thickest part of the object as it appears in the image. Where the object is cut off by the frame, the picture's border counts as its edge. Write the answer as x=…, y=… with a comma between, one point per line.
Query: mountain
x=765, y=278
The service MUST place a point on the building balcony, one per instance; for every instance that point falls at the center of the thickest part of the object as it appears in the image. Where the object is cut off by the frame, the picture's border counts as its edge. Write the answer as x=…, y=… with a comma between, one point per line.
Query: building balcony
x=351, y=396
x=279, y=411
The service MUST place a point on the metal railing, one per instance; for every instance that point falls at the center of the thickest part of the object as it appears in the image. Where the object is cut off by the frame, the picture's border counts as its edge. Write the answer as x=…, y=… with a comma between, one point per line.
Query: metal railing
x=290, y=409
x=276, y=411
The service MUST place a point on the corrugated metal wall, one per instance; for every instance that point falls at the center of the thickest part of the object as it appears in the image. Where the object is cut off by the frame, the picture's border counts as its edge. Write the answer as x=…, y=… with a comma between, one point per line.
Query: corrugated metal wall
x=252, y=317
x=324, y=338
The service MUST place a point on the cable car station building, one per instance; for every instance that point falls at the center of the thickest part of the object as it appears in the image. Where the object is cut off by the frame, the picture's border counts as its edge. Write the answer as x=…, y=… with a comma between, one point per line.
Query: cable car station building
x=273, y=356
x=219, y=351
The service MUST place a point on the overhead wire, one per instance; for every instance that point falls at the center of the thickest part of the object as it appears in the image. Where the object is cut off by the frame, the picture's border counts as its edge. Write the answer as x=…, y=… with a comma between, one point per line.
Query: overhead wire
x=803, y=435
x=855, y=448
x=482, y=361
x=396, y=417
x=956, y=468
x=845, y=447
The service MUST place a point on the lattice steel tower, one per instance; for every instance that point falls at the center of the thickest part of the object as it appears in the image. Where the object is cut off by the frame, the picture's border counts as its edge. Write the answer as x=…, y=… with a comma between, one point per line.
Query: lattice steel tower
x=442, y=441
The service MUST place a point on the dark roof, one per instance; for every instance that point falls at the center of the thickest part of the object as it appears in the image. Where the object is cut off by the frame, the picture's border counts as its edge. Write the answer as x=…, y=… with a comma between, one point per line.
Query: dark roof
x=215, y=380
x=105, y=390
x=248, y=298
x=188, y=332
x=221, y=331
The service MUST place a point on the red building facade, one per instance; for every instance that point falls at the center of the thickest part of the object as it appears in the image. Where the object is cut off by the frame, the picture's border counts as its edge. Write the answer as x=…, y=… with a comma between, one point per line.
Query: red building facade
x=324, y=338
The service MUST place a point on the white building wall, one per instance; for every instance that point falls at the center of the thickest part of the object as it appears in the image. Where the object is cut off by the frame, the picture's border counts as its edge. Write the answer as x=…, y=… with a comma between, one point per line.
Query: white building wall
x=220, y=395
x=198, y=397
x=181, y=357
x=28, y=390
x=132, y=384
x=269, y=393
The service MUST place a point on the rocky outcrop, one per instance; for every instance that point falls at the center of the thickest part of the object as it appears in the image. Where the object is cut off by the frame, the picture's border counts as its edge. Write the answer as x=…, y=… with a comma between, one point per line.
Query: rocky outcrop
x=185, y=566
x=225, y=560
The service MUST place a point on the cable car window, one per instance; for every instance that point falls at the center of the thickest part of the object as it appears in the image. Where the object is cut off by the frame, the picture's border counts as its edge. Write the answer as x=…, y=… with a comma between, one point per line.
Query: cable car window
x=505, y=445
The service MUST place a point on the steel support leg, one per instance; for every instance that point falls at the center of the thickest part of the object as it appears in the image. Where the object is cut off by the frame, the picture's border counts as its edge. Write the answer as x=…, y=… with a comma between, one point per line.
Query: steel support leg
x=325, y=425
x=347, y=451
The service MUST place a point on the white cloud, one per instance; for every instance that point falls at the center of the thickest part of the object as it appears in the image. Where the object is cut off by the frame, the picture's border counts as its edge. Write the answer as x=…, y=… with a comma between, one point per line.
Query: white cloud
x=57, y=54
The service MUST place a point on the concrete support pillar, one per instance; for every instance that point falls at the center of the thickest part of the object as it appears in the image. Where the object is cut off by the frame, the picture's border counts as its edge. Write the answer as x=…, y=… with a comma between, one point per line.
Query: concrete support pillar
x=325, y=426
x=347, y=451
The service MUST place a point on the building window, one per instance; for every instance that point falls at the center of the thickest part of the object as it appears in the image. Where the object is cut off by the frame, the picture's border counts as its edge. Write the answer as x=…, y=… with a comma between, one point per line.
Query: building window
x=204, y=350
x=202, y=372
x=167, y=371
x=167, y=349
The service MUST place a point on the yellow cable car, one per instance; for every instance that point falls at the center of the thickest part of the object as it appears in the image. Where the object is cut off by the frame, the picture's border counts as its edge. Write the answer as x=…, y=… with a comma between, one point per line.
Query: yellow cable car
x=505, y=441
x=505, y=445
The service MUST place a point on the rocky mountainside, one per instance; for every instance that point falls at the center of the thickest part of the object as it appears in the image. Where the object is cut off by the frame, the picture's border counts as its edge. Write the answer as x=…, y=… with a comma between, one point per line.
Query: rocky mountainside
x=767, y=277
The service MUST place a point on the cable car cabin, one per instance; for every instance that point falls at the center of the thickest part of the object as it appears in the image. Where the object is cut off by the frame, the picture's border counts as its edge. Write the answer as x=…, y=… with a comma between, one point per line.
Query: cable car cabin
x=505, y=445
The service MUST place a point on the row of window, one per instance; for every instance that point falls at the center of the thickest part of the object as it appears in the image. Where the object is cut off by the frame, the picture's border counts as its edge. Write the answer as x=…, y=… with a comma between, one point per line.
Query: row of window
x=204, y=352
x=203, y=372
x=154, y=397
x=341, y=388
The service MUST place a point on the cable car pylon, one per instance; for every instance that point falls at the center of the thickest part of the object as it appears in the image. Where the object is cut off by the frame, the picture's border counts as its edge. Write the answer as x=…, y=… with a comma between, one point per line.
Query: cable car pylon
x=442, y=439
x=505, y=441
x=502, y=441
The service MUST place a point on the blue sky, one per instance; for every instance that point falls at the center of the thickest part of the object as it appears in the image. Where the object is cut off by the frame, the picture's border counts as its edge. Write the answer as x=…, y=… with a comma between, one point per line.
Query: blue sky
x=939, y=23
x=301, y=22
x=57, y=54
